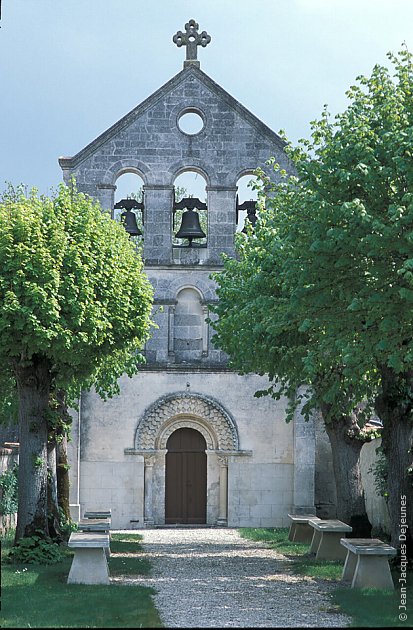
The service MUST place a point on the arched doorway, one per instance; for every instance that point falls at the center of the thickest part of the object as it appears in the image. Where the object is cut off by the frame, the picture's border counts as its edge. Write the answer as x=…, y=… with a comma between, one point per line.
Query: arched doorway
x=186, y=478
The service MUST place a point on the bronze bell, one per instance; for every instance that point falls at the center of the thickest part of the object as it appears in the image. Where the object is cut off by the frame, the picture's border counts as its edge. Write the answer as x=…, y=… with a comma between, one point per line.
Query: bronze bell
x=128, y=218
x=251, y=214
x=190, y=226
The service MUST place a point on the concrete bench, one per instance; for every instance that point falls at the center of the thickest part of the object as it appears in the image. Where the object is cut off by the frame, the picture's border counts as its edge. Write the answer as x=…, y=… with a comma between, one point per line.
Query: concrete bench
x=89, y=564
x=94, y=525
x=97, y=525
x=367, y=563
x=326, y=538
x=300, y=530
x=98, y=514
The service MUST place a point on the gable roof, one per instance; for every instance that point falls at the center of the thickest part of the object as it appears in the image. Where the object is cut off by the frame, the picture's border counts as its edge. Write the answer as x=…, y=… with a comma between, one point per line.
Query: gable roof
x=72, y=162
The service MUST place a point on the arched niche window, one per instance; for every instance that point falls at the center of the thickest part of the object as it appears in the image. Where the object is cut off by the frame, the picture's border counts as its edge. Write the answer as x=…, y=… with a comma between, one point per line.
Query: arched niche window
x=246, y=201
x=190, y=216
x=129, y=186
x=189, y=327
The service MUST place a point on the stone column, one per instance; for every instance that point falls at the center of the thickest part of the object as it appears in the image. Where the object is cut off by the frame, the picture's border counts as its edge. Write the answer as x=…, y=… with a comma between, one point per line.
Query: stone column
x=148, y=489
x=304, y=462
x=106, y=196
x=171, y=336
x=158, y=224
x=205, y=329
x=223, y=491
x=221, y=221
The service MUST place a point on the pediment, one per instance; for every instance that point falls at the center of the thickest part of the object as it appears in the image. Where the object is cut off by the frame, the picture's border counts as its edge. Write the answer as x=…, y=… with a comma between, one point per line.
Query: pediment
x=164, y=93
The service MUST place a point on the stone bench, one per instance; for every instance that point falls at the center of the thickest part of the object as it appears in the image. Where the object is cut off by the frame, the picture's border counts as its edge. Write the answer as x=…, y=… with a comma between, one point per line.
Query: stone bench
x=89, y=564
x=367, y=563
x=300, y=530
x=94, y=525
x=98, y=514
x=97, y=525
x=326, y=538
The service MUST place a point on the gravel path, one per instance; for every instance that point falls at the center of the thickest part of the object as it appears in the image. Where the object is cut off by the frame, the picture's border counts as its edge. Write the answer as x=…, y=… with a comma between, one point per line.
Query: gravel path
x=213, y=578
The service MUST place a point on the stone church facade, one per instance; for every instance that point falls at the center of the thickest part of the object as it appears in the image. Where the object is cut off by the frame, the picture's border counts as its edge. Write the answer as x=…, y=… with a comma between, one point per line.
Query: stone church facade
x=186, y=442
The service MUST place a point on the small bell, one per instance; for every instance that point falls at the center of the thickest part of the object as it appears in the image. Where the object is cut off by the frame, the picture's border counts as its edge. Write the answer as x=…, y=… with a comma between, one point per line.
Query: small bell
x=128, y=218
x=250, y=207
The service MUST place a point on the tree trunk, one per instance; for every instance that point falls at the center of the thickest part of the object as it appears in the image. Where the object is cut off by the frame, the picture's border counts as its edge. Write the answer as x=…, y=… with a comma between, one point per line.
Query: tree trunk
x=33, y=386
x=346, y=445
x=63, y=477
x=52, y=502
x=61, y=452
x=394, y=407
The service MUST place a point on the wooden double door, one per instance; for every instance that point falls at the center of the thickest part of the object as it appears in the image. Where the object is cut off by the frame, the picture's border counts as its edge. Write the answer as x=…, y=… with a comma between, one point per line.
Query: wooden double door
x=186, y=478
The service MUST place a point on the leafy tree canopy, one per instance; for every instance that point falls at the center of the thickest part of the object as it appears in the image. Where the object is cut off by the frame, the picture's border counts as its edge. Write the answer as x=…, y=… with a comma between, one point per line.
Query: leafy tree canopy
x=72, y=289
x=322, y=291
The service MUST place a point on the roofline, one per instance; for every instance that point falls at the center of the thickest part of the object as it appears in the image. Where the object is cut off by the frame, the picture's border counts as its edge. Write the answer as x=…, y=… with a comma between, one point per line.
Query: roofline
x=68, y=163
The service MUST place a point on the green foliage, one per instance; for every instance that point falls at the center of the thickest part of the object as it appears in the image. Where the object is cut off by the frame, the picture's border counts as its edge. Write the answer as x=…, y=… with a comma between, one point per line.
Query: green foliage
x=67, y=525
x=36, y=549
x=9, y=491
x=73, y=299
x=380, y=472
x=72, y=288
x=321, y=293
x=8, y=400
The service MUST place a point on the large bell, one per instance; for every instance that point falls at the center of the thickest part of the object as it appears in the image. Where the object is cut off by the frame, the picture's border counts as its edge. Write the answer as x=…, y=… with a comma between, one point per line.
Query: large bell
x=128, y=218
x=190, y=226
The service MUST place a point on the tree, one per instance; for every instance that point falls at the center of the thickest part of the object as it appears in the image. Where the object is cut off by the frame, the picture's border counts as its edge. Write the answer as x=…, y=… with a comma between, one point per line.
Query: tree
x=360, y=255
x=74, y=307
x=349, y=282
x=258, y=325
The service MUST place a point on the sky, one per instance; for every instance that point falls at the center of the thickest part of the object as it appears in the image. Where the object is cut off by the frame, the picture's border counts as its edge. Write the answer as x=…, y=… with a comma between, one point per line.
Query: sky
x=69, y=69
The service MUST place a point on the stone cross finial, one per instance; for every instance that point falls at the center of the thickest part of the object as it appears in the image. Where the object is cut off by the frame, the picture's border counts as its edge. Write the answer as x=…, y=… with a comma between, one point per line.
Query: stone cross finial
x=191, y=39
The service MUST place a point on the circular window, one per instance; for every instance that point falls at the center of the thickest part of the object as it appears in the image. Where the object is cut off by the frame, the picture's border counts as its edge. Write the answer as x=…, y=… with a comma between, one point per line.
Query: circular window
x=190, y=122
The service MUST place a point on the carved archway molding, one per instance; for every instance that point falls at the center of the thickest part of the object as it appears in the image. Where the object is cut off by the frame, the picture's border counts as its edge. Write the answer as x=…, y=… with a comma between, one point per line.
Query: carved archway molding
x=186, y=410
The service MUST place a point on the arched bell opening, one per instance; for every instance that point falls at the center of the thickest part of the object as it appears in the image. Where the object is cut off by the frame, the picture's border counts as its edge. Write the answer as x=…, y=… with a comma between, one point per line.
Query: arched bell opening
x=129, y=204
x=190, y=211
x=186, y=478
x=246, y=204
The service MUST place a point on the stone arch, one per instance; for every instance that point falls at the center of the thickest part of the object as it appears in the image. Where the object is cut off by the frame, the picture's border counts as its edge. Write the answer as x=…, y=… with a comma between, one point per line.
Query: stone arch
x=186, y=410
x=183, y=422
x=205, y=290
x=185, y=168
x=120, y=167
x=183, y=165
x=192, y=287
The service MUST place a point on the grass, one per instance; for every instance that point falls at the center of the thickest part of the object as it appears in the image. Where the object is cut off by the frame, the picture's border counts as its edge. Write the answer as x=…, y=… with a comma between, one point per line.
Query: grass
x=368, y=608
x=38, y=596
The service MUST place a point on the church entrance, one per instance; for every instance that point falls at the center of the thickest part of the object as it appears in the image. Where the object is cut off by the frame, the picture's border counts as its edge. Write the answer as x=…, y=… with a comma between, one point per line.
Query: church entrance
x=186, y=478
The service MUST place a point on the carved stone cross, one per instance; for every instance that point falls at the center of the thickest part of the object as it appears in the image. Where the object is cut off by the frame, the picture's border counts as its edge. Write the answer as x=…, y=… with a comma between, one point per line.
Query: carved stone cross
x=191, y=39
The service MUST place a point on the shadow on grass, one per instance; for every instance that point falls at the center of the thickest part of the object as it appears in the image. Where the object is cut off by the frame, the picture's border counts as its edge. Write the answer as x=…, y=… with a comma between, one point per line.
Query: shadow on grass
x=39, y=596
x=368, y=608
x=372, y=608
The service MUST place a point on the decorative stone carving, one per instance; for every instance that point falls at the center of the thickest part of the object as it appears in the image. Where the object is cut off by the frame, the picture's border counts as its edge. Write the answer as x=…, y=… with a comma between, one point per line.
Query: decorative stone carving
x=186, y=410
x=191, y=39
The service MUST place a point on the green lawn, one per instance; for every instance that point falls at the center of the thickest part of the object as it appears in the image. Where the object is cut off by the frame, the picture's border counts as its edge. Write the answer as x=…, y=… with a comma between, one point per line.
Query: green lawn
x=368, y=608
x=38, y=596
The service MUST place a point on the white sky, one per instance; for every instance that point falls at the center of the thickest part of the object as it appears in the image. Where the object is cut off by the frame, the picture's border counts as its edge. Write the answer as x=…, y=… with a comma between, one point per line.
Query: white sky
x=69, y=69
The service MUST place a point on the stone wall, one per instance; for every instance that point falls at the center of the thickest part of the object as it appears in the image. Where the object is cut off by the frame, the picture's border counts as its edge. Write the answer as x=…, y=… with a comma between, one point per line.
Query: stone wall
x=376, y=505
x=260, y=464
